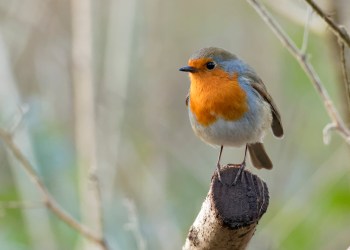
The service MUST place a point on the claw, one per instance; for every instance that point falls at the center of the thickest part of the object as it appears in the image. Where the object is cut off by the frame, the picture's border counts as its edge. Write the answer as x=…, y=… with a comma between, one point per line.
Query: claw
x=218, y=170
x=241, y=168
x=218, y=164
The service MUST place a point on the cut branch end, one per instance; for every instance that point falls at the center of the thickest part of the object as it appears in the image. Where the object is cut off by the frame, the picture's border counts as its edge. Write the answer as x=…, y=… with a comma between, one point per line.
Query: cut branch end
x=230, y=213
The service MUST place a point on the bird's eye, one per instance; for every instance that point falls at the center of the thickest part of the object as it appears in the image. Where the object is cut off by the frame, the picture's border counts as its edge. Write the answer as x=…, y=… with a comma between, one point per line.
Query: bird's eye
x=210, y=65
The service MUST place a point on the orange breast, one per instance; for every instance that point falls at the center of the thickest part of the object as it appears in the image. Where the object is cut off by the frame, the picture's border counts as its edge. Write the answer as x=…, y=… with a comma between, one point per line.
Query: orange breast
x=216, y=94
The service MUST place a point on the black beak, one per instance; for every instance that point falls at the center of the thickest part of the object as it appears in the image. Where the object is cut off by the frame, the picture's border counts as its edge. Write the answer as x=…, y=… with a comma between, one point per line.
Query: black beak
x=188, y=69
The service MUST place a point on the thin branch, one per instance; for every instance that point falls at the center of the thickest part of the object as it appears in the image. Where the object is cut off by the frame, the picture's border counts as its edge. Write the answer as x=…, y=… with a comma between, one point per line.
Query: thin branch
x=49, y=201
x=338, y=30
x=306, y=31
x=20, y=205
x=326, y=132
x=306, y=66
x=133, y=224
x=345, y=72
x=295, y=12
x=19, y=118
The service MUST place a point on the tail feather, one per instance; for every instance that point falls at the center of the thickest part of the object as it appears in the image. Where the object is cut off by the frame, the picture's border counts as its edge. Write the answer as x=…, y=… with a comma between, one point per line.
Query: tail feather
x=258, y=156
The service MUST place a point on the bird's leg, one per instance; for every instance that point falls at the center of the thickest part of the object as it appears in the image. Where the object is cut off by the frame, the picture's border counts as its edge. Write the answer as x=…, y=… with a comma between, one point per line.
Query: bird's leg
x=242, y=165
x=218, y=163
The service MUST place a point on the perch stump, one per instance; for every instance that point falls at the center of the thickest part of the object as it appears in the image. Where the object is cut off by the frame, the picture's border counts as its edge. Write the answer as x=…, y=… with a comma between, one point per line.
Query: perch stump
x=229, y=213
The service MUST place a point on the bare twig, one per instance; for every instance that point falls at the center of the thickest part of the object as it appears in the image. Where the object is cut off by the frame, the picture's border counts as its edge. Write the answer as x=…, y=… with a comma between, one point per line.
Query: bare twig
x=10, y=99
x=326, y=132
x=338, y=30
x=19, y=118
x=20, y=205
x=49, y=201
x=345, y=73
x=303, y=60
x=306, y=31
x=84, y=113
x=295, y=12
x=133, y=224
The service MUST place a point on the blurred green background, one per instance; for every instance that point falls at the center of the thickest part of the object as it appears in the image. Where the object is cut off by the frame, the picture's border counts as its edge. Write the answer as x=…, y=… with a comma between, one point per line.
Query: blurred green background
x=154, y=172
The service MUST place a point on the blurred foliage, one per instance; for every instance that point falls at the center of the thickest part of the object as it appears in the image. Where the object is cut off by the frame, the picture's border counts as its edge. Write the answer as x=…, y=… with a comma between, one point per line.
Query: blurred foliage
x=146, y=149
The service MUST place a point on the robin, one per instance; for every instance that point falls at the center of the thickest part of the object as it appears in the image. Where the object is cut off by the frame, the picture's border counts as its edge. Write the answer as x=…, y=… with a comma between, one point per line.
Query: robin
x=228, y=105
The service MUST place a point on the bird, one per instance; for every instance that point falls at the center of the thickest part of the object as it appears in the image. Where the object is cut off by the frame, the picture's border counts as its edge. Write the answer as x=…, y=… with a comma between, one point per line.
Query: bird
x=229, y=105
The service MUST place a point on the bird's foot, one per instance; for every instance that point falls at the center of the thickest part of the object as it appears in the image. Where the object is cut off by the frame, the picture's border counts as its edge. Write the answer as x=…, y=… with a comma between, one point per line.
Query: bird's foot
x=240, y=170
x=218, y=170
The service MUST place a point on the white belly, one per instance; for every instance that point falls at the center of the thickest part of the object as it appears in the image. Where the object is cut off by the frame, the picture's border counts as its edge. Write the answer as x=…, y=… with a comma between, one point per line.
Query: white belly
x=249, y=129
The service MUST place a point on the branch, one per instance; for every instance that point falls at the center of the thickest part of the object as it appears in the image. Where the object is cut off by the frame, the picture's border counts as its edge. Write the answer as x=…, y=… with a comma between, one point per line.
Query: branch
x=293, y=11
x=20, y=205
x=84, y=114
x=230, y=213
x=133, y=224
x=303, y=60
x=338, y=30
x=49, y=201
x=345, y=73
x=19, y=118
x=306, y=31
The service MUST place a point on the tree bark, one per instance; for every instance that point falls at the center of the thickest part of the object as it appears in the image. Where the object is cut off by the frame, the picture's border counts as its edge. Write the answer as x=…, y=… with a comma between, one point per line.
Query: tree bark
x=229, y=213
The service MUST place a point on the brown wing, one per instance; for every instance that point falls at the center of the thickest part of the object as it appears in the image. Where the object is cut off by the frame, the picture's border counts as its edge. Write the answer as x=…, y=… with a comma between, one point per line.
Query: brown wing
x=187, y=99
x=276, y=125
